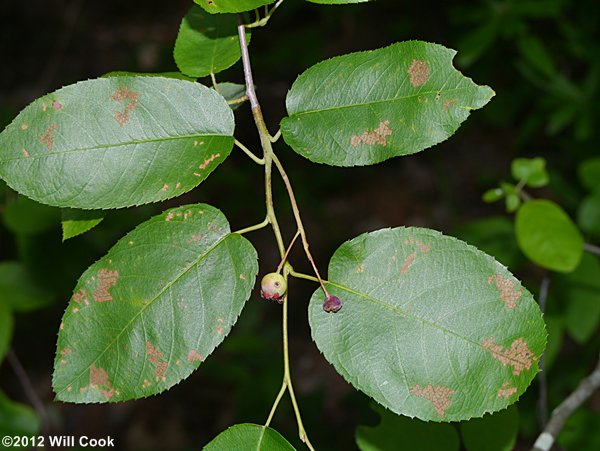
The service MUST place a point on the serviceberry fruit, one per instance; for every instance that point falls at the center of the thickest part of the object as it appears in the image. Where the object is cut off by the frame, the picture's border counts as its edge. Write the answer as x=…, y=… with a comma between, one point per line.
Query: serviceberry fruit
x=273, y=287
x=332, y=304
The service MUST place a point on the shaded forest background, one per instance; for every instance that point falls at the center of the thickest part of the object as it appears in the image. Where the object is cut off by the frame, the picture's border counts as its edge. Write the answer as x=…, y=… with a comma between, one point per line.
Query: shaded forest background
x=542, y=57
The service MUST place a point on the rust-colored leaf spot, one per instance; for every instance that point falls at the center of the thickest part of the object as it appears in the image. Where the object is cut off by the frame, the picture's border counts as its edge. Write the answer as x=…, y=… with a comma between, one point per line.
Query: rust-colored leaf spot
x=24, y=126
x=377, y=136
x=409, y=261
x=418, y=72
x=165, y=187
x=506, y=391
x=242, y=277
x=146, y=383
x=194, y=356
x=208, y=161
x=56, y=105
x=423, y=247
x=25, y=152
x=178, y=185
x=198, y=143
x=80, y=296
x=44, y=107
x=169, y=216
x=187, y=214
x=220, y=322
x=106, y=280
x=99, y=379
x=506, y=287
x=519, y=356
x=130, y=99
x=195, y=238
x=449, y=102
x=438, y=396
x=47, y=138
x=66, y=351
x=155, y=357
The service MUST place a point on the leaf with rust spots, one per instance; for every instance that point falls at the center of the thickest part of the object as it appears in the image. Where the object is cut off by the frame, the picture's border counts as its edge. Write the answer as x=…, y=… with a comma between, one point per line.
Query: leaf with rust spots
x=339, y=116
x=106, y=280
x=506, y=391
x=249, y=437
x=418, y=72
x=99, y=379
x=47, y=138
x=145, y=133
x=175, y=300
x=519, y=356
x=156, y=358
x=508, y=294
x=438, y=396
x=413, y=321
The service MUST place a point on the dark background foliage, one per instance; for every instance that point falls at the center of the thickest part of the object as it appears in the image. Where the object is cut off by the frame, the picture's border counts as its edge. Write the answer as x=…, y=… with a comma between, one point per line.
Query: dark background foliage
x=542, y=57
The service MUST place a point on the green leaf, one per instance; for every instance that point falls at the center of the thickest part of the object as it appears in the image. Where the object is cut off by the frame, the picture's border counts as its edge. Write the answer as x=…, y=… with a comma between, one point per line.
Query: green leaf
x=17, y=419
x=207, y=43
x=116, y=142
x=231, y=6
x=399, y=432
x=548, y=237
x=75, y=222
x=365, y=107
x=589, y=173
x=249, y=437
x=147, y=314
x=532, y=171
x=588, y=214
x=497, y=432
x=493, y=195
x=20, y=290
x=6, y=328
x=430, y=327
x=582, y=296
x=26, y=217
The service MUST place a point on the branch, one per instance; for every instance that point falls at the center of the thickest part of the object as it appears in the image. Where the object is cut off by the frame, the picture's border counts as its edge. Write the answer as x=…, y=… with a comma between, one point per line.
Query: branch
x=585, y=389
x=591, y=248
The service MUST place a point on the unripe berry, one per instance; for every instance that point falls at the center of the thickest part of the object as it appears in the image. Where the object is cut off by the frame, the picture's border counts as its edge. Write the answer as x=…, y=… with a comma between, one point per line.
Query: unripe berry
x=332, y=304
x=273, y=287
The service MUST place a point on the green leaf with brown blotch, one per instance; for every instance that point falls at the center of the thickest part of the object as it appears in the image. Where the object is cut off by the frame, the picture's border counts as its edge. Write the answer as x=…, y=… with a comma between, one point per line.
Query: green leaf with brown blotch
x=115, y=142
x=146, y=315
x=430, y=327
x=363, y=108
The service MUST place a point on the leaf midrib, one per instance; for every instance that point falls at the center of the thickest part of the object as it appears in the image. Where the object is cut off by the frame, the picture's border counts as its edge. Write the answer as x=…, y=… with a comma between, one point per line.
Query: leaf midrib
x=374, y=102
x=412, y=315
x=109, y=146
x=144, y=307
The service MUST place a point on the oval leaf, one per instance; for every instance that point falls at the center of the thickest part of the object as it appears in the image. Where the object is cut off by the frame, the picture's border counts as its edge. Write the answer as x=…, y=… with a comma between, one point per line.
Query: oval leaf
x=249, y=437
x=430, y=327
x=366, y=107
x=497, y=432
x=207, y=43
x=231, y=6
x=116, y=142
x=548, y=237
x=148, y=313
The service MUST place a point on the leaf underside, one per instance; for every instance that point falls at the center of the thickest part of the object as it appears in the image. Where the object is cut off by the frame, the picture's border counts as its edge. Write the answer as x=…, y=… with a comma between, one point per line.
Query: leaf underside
x=116, y=142
x=430, y=327
x=147, y=314
x=363, y=108
x=231, y=6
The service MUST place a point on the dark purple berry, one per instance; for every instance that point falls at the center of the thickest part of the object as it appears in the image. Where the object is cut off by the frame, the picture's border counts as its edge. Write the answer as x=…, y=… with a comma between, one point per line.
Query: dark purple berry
x=332, y=304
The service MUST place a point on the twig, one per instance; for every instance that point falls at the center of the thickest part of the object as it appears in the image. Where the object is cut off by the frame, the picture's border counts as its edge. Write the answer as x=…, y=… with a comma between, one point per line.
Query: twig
x=28, y=388
x=591, y=248
x=287, y=252
x=543, y=395
x=262, y=22
x=290, y=191
x=248, y=152
x=585, y=389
